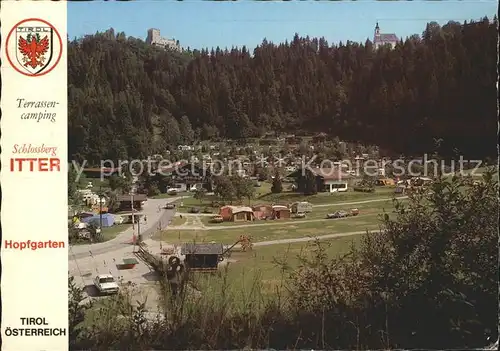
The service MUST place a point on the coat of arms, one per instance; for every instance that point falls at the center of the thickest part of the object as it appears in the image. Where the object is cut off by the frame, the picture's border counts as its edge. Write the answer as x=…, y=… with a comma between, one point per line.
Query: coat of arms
x=34, y=48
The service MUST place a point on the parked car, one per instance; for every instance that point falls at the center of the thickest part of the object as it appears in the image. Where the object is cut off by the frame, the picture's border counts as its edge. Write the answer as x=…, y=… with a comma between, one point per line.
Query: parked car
x=106, y=284
x=170, y=206
x=337, y=214
x=172, y=191
x=354, y=212
x=217, y=219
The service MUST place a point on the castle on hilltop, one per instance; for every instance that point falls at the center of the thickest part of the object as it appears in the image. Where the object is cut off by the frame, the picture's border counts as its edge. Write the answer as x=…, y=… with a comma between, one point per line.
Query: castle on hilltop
x=154, y=38
x=380, y=39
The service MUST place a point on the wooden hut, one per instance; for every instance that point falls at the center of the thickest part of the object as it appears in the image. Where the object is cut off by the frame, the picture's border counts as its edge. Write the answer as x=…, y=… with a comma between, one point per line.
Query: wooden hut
x=202, y=257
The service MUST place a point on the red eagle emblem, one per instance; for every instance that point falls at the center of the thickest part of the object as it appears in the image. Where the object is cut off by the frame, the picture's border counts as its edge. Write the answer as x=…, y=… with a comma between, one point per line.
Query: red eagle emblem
x=33, y=49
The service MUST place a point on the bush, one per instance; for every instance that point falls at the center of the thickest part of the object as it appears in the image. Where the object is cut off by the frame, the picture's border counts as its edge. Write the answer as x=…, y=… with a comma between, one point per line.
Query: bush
x=427, y=280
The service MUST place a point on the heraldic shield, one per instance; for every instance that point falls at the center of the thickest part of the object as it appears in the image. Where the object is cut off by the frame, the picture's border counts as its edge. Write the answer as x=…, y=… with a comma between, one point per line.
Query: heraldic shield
x=34, y=47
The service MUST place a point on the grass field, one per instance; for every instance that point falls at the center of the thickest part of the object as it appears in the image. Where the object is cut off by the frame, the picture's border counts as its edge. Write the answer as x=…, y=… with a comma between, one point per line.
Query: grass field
x=282, y=230
x=109, y=233
x=325, y=198
x=317, y=213
x=248, y=281
x=263, y=270
x=176, y=221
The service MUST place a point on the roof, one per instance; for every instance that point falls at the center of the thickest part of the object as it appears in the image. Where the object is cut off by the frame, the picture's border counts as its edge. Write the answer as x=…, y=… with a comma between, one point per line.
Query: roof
x=202, y=249
x=258, y=207
x=137, y=197
x=387, y=38
x=238, y=209
x=280, y=208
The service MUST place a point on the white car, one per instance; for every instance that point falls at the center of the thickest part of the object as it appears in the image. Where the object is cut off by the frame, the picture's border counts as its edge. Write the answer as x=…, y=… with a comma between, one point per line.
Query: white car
x=106, y=284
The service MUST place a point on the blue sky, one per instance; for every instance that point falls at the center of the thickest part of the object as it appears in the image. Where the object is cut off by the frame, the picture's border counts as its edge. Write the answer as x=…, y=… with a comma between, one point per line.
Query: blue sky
x=201, y=24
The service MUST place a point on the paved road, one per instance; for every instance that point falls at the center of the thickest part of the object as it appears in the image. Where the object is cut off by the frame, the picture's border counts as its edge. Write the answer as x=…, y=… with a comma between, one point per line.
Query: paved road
x=123, y=239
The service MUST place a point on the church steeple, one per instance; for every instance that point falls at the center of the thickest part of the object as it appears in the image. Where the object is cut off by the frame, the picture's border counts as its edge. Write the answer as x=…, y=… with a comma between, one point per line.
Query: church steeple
x=377, y=30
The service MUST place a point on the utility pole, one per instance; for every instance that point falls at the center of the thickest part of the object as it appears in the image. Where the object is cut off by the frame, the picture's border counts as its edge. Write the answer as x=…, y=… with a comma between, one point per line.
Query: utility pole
x=100, y=207
x=139, y=238
x=132, y=208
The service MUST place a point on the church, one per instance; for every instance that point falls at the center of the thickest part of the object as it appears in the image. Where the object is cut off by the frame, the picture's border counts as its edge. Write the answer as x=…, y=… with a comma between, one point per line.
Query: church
x=381, y=39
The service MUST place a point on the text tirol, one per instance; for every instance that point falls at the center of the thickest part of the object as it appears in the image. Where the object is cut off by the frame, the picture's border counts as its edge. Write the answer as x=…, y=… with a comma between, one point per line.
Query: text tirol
x=35, y=164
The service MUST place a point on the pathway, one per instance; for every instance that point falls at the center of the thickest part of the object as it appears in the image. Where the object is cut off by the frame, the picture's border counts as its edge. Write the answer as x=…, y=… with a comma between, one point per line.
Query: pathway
x=186, y=214
x=305, y=239
x=155, y=219
x=360, y=202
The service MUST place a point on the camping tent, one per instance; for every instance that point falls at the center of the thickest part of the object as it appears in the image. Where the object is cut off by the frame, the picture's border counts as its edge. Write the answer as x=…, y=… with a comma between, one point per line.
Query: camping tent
x=107, y=220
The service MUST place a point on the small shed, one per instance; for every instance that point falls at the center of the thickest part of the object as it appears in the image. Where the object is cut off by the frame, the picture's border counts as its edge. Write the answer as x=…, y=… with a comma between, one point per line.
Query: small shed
x=301, y=207
x=281, y=212
x=262, y=211
x=202, y=256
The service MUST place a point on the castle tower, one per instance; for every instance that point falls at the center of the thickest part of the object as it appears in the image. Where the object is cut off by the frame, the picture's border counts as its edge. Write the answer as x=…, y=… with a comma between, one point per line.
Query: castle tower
x=153, y=36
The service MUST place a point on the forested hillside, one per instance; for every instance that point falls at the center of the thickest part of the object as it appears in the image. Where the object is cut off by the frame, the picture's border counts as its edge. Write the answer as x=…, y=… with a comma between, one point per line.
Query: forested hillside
x=128, y=100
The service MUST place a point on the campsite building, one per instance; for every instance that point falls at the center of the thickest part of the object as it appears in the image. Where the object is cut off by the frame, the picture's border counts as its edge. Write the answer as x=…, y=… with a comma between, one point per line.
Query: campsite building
x=281, y=212
x=262, y=211
x=191, y=174
x=236, y=213
x=204, y=257
x=330, y=180
x=127, y=201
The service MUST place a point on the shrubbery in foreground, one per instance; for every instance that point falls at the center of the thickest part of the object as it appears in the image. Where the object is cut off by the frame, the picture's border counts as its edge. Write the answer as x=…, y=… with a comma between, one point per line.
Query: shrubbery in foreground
x=428, y=279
